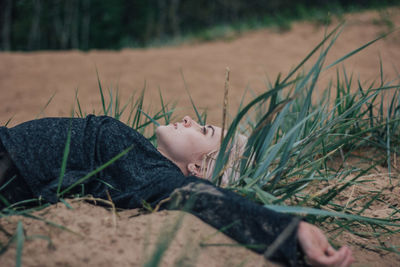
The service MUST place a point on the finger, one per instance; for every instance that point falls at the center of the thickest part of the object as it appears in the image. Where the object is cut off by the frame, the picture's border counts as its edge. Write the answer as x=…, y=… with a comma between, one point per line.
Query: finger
x=332, y=260
x=330, y=251
x=352, y=260
x=345, y=260
x=348, y=260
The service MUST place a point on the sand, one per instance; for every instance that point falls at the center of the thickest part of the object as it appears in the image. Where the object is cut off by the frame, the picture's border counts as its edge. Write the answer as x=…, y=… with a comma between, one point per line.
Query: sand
x=101, y=238
x=28, y=80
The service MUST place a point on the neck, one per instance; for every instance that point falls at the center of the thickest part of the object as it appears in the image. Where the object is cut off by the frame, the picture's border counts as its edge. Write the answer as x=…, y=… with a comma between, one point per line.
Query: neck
x=180, y=165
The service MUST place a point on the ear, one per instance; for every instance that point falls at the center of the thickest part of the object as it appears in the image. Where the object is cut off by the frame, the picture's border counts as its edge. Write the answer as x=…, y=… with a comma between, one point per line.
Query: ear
x=194, y=169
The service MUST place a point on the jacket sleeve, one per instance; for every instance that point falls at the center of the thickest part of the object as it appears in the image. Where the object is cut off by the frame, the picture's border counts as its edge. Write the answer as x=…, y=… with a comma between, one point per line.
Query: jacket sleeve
x=258, y=228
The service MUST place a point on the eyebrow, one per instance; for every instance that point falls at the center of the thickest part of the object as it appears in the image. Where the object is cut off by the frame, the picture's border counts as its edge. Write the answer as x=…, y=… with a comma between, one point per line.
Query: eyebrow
x=212, y=128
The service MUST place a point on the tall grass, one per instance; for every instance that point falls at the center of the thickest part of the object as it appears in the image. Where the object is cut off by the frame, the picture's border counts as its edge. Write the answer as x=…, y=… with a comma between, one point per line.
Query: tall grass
x=298, y=145
x=296, y=139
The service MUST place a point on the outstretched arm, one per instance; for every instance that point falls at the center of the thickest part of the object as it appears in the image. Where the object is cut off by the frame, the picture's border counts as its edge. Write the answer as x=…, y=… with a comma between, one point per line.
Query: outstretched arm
x=275, y=234
x=260, y=229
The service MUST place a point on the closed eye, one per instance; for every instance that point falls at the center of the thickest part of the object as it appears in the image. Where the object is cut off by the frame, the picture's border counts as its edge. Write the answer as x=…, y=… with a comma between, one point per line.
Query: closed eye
x=212, y=128
x=204, y=129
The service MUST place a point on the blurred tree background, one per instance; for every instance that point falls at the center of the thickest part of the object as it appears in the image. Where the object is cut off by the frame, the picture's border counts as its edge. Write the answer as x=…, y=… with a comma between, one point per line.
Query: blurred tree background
x=113, y=24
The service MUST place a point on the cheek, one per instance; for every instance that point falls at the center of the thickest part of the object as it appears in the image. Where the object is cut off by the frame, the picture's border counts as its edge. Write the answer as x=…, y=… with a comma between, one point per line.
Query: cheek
x=183, y=146
x=173, y=140
x=183, y=140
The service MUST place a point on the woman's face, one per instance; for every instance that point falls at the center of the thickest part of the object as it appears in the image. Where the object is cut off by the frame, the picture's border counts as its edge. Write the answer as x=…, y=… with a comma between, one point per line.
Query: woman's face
x=186, y=141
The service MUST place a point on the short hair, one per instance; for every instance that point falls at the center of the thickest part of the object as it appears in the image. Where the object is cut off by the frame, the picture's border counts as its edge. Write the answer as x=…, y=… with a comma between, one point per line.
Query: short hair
x=231, y=170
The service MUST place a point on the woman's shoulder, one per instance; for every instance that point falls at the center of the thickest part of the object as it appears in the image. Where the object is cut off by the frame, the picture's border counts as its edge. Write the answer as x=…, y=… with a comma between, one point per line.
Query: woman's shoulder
x=104, y=120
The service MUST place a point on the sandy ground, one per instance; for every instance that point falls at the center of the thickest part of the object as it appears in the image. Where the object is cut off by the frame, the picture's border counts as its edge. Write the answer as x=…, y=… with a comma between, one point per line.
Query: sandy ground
x=28, y=80
x=122, y=240
x=96, y=236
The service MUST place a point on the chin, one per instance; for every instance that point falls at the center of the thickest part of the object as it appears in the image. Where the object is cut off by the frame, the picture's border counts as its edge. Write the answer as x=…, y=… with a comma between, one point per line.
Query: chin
x=162, y=133
x=161, y=130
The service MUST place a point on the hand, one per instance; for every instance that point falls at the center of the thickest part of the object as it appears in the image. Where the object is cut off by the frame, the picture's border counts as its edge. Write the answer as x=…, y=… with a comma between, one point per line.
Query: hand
x=318, y=251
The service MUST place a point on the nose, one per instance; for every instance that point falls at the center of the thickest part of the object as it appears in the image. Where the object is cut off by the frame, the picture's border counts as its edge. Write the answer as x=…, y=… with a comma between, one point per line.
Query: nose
x=187, y=121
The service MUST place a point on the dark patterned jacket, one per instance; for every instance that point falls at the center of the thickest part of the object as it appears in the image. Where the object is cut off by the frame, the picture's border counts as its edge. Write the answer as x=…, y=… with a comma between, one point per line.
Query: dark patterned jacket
x=142, y=174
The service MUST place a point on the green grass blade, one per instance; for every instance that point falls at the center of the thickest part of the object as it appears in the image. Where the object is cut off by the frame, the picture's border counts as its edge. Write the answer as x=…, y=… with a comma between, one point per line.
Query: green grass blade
x=311, y=53
x=101, y=94
x=199, y=118
x=163, y=108
x=388, y=152
x=66, y=203
x=20, y=239
x=80, y=114
x=324, y=213
x=45, y=106
x=65, y=158
x=355, y=51
x=8, y=121
x=221, y=158
x=7, y=182
x=99, y=169
x=5, y=247
x=164, y=241
x=139, y=106
x=150, y=118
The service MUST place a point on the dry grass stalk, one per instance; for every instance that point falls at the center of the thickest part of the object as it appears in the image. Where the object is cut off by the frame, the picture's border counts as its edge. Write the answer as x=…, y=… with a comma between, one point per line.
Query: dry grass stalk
x=107, y=202
x=225, y=104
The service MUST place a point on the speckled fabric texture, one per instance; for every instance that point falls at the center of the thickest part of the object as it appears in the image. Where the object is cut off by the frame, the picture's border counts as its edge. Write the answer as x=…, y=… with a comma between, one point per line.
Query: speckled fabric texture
x=37, y=148
x=143, y=174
